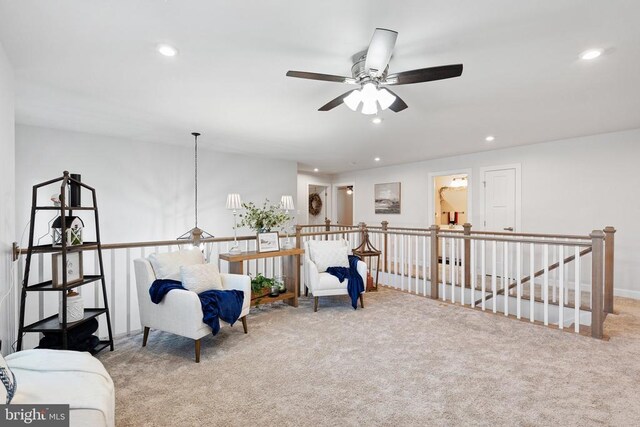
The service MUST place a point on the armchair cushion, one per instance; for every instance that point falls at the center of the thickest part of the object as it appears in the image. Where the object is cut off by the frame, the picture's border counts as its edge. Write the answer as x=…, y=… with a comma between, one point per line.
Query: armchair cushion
x=201, y=277
x=329, y=253
x=167, y=265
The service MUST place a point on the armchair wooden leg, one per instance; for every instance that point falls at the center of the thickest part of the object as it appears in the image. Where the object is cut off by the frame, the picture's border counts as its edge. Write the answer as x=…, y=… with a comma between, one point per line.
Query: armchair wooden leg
x=145, y=336
x=197, y=351
x=244, y=324
x=361, y=301
x=315, y=304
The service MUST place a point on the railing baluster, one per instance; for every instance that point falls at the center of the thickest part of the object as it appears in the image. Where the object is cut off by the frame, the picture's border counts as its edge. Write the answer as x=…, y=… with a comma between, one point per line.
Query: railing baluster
x=128, y=290
x=396, y=268
x=452, y=268
x=561, y=288
x=417, y=266
x=474, y=278
x=444, y=268
x=41, y=279
x=518, y=280
x=494, y=278
x=424, y=265
x=483, y=272
x=463, y=283
x=567, y=273
x=389, y=259
x=554, y=276
x=577, y=291
x=505, y=277
x=532, y=280
x=408, y=262
x=545, y=288
x=112, y=303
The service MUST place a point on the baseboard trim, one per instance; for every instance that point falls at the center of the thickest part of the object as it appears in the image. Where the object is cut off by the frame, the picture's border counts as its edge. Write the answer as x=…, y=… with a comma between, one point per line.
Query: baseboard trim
x=627, y=293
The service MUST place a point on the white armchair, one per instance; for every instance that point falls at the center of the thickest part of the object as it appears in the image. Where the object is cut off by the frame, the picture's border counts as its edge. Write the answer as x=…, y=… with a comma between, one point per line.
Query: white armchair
x=322, y=284
x=180, y=313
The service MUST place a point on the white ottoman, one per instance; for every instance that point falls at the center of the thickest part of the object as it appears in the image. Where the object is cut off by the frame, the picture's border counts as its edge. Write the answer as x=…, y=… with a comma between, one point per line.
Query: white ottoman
x=65, y=377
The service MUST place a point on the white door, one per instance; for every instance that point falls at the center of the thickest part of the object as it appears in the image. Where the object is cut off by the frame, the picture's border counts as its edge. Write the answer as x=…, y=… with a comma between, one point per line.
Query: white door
x=500, y=199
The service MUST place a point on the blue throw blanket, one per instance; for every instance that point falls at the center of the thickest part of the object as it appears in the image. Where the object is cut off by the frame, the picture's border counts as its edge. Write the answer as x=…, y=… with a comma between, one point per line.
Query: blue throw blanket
x=355, y=284
x=216, y=305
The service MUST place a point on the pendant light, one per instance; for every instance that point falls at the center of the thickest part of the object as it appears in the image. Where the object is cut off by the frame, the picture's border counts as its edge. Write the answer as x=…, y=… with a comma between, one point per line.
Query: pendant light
x=195, y=235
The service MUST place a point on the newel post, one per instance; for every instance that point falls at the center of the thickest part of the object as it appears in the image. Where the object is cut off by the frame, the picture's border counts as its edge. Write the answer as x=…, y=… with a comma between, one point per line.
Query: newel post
x=434, y=261
x=298, y=237
x=327, y=224
x=597, y=307
x=385, y=226
x=609, y=247
x=467, y=254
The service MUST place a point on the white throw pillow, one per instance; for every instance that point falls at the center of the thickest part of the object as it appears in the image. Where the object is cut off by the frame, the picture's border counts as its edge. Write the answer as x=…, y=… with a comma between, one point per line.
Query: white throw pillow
x=327, y=254
x=167, y=266
x=8, y=381
x=201, y=277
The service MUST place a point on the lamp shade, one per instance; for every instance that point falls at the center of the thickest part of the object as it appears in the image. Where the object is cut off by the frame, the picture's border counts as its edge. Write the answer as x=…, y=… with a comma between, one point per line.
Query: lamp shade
x=234, y=201
x=286, y=203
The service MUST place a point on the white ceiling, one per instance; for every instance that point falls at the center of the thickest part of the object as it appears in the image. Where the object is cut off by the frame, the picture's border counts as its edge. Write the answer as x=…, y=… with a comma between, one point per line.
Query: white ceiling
x=91, y=66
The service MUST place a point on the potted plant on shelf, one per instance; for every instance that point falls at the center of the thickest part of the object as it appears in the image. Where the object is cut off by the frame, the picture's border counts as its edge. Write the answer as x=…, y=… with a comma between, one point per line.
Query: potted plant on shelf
x=262, y=286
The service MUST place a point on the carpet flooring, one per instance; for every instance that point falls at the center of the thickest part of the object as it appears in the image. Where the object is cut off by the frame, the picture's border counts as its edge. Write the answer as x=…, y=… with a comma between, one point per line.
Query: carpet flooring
x=404, y=360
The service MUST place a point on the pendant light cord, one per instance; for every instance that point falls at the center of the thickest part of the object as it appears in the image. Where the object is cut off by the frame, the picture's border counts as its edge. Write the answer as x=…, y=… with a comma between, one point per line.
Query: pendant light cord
x=195, y=134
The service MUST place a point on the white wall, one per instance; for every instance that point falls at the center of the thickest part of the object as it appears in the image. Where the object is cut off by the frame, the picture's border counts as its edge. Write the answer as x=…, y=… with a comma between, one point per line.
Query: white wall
x=145, y=190
x=571, y=187
x=7, y=200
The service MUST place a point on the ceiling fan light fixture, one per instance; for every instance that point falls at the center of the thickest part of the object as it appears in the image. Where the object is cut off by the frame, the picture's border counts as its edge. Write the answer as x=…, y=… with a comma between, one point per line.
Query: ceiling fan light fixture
x=369, y=93
x=353, y=100
x=369, y=107
x=385, y=99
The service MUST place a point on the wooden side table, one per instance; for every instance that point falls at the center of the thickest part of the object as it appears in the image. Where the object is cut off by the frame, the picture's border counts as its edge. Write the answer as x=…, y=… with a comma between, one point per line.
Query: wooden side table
x=290, y=270
x=371, y=254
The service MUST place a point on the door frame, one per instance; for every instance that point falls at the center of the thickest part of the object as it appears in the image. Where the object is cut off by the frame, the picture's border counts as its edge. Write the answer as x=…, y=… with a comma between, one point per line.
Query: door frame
x=431, y=192
x=334, y=200
x=518, y=188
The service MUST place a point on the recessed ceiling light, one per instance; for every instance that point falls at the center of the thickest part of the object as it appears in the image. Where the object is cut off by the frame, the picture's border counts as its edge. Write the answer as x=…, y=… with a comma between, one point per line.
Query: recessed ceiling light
x=377, y=159
x=316, y=169
x=590, y=54
x=376, y=120
x=490, y=138
x=167, y=50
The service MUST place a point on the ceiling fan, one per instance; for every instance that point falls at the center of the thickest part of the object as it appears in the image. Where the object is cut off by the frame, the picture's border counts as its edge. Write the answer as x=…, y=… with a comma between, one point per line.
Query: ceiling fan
x=370, y=73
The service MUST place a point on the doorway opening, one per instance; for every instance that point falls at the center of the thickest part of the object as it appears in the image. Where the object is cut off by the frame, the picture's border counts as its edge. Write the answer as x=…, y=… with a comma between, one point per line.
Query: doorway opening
x=344, y=205
x=451, y=198
x=318, y=197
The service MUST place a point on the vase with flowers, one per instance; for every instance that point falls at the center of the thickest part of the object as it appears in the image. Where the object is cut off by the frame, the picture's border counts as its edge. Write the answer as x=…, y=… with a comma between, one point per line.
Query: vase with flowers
x=263, y=219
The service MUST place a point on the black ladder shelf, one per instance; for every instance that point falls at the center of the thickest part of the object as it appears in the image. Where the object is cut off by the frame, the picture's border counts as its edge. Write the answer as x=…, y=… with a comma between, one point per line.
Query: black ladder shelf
x=51, y=323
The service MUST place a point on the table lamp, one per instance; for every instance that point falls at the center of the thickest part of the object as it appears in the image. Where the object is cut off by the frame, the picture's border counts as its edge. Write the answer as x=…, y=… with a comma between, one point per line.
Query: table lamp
x=235, y=203
x=286, y=204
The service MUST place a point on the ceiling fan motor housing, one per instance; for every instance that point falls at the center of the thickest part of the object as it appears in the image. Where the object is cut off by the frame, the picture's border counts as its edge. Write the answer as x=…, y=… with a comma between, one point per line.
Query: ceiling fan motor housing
x=361, y=74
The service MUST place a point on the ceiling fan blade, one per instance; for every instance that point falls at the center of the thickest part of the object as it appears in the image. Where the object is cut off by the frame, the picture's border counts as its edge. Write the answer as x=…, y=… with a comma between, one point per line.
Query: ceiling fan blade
x=398, y=105
x=380, y=50
x=335, y=102
x=424, y=75
x=318, y=76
